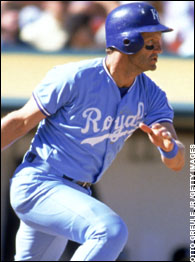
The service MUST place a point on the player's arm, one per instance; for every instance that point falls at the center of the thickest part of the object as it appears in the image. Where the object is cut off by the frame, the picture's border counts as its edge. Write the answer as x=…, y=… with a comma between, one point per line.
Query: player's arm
x=164, y=136
x=18, y=123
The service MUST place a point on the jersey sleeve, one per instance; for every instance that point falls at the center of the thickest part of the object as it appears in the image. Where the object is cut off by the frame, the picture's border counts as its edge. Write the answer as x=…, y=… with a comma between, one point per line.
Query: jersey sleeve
x=54, y=91
x=158, y=107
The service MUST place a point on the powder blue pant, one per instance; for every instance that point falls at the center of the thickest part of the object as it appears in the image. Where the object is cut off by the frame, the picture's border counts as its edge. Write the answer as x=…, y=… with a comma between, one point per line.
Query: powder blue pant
x=53, y=210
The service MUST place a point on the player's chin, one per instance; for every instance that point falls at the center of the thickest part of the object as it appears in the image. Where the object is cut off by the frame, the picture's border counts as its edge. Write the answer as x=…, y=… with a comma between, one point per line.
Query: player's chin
x=152, y=64
x=152, y=67
x=149, y=67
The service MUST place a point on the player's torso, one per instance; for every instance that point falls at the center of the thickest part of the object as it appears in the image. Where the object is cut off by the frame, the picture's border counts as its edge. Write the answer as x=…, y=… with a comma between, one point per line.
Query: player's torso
x=94, y=125
x=97, y=112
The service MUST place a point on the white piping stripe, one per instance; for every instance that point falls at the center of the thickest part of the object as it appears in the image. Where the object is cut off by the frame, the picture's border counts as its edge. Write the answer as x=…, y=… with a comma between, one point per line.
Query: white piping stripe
x=162, y=119
x=40, y=105
x=106, y=69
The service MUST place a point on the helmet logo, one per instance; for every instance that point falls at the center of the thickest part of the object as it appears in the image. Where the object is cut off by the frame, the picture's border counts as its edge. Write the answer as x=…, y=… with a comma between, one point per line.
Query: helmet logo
x=155, y=15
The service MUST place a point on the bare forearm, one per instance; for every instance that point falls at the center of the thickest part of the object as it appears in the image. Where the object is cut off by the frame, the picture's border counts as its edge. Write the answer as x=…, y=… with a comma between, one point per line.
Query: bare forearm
x=176, y=163
x=12, y=128
x=20, y=122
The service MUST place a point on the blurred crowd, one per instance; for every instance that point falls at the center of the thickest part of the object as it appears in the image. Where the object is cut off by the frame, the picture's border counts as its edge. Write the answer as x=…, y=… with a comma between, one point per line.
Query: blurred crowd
x=57, y=25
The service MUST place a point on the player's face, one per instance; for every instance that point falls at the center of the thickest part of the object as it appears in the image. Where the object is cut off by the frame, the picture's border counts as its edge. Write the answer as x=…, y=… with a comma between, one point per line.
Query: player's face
x=147, y=57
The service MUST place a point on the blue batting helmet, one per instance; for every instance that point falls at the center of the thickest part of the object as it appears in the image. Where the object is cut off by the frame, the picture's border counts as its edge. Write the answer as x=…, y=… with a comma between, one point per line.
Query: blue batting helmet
x=125, y=24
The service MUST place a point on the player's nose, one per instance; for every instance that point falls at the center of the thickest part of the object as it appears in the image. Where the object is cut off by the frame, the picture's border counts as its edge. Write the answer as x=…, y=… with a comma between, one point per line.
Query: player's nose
x=158, y=48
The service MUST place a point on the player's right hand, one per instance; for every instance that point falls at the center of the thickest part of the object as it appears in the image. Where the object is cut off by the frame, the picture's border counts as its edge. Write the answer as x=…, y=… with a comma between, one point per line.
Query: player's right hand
x=159, y=136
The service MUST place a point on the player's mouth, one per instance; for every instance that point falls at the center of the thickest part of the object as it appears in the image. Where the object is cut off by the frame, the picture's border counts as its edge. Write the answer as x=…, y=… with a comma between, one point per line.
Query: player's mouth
x=154, y=59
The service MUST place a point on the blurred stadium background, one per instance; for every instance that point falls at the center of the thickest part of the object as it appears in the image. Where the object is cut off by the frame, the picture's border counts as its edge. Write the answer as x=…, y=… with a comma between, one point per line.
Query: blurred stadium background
x=153, y=201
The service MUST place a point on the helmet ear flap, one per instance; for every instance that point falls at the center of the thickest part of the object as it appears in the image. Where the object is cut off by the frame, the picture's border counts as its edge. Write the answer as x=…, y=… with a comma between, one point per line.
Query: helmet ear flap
x=131, y=43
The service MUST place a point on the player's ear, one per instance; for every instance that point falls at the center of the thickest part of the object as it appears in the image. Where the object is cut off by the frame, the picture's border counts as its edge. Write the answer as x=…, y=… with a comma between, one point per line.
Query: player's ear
x=110, y=50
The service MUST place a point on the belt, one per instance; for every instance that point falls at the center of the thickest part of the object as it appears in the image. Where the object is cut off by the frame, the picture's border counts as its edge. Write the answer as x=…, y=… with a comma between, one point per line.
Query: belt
x=31, y=157
x=83, y=184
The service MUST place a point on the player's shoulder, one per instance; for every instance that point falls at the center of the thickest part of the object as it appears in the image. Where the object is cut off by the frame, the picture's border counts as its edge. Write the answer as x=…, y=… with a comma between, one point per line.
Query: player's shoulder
x=68, y=72
x=82, y=65
x=90, y=63
x=149, y=87
x=146, y=80
x=147, y=84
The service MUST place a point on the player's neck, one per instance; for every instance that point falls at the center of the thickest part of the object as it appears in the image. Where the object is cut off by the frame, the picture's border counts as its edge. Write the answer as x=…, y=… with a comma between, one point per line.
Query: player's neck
x=120, y=72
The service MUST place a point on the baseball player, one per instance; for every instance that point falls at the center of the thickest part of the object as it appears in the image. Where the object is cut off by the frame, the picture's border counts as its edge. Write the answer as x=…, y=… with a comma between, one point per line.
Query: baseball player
x=86, y=110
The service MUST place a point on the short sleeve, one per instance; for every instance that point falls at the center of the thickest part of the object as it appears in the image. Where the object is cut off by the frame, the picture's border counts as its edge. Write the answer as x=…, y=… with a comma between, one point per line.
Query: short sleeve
x=54, y=90
x=159, y=109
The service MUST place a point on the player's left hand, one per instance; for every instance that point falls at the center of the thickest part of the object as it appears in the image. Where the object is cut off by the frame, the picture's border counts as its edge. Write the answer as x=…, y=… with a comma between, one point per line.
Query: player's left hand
x=159, y=136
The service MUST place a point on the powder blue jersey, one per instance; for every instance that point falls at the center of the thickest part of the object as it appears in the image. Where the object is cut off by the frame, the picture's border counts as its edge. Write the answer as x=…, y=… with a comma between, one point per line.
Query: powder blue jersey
x=87, y=121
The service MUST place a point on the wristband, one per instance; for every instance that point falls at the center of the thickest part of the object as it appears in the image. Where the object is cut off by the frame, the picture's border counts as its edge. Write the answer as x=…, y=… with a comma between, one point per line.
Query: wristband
x=170, y=154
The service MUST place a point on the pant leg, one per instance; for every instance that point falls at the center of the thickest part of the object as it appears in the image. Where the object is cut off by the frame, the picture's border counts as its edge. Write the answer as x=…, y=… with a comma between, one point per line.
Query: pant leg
x=55, y=206
x=33, y=245
x=104, y=240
